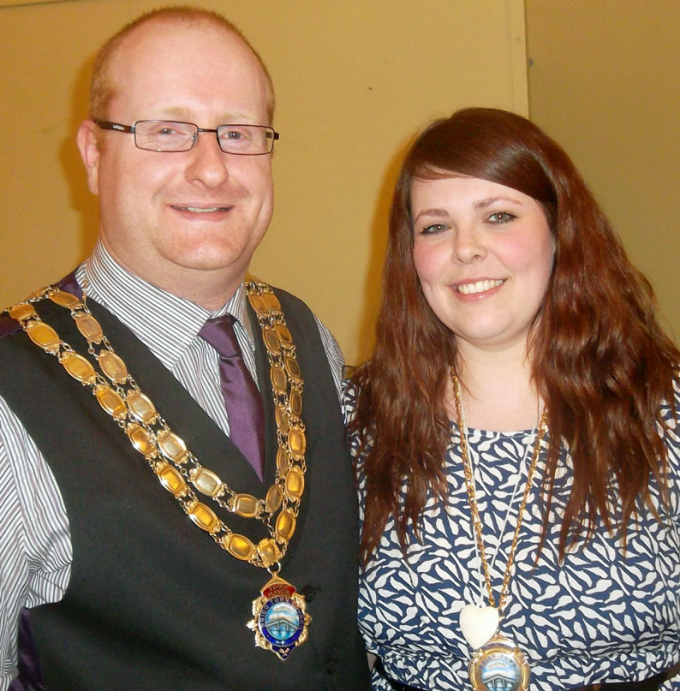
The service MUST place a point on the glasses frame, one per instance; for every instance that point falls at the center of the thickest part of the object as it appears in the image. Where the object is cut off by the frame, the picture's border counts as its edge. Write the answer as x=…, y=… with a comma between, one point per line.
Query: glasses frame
x=132, y=129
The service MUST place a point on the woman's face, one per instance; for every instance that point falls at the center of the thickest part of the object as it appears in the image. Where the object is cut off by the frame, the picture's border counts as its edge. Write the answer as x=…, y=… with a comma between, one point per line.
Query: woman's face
x=484, y=255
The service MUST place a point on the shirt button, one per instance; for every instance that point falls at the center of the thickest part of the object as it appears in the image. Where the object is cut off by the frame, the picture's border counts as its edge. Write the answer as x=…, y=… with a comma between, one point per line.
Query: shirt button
x=309, y=592
x=331, y=664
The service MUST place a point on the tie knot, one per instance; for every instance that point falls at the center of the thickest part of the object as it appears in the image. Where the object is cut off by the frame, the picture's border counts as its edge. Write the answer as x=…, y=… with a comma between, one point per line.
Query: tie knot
x=219, y=333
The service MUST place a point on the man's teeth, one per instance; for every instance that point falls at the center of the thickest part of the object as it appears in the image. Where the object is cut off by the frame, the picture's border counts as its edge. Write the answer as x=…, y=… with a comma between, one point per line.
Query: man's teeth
x=479, y=287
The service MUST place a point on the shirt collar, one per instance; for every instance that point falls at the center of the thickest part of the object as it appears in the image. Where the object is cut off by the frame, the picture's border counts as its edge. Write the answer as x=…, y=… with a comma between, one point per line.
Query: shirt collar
x=165, y=323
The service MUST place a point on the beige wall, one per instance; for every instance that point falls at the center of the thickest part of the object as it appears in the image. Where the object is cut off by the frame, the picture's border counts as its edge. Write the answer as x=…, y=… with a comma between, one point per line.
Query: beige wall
x=355, y=79
x=604, y=83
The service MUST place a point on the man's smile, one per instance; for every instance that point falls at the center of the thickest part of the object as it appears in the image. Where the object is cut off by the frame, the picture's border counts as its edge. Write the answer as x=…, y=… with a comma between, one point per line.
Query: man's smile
x=201, y=209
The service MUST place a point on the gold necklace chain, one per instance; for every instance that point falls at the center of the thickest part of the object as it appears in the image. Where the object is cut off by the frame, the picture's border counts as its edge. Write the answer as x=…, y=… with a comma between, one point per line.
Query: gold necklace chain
x=472, y=499
x=174, y=464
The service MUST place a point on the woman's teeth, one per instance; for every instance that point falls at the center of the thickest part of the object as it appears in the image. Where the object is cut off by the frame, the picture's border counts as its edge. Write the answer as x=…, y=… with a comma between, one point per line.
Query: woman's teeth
x=478, y=287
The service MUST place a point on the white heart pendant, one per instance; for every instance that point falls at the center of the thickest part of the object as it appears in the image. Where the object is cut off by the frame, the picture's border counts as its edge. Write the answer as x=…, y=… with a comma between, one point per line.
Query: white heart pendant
x=478, y=624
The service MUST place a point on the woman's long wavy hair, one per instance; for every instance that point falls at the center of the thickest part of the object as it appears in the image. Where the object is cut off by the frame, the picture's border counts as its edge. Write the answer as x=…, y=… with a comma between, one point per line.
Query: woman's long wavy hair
x=600, y=360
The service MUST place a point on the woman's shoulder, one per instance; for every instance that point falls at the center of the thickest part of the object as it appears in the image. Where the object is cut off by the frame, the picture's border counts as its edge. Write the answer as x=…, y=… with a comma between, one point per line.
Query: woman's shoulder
x=358, y=437
x=670, y=415
x=676, y=392
x=350, y=395
x=670, y=410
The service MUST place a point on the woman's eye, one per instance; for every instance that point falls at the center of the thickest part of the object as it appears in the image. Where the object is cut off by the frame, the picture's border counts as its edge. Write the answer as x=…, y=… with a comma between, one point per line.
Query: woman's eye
x=500, y=217
x=433, y=229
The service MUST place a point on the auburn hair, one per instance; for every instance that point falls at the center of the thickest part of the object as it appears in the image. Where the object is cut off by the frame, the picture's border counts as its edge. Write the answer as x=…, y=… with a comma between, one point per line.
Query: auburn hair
x=600, y=359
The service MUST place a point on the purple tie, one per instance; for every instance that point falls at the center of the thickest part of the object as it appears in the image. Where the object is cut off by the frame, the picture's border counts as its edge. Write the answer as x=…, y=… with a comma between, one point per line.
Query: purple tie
x=241, y=397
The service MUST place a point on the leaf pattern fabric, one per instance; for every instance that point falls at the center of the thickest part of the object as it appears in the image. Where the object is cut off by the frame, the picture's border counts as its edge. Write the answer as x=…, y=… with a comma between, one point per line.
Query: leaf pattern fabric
x=597, y=616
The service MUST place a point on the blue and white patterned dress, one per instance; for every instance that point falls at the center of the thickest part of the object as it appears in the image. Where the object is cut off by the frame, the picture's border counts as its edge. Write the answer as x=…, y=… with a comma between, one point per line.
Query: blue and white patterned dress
x=597, y=616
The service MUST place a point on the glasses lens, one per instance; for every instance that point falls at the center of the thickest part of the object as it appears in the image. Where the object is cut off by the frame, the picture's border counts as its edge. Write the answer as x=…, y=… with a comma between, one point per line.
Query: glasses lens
x=245, y=139
x=164, y=135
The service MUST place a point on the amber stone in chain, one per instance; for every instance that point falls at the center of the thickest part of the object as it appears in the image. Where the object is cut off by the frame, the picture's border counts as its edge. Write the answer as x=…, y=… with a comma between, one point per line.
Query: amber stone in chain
x=282, y=461
x=170, y=478
x=273, y=499
x=259, y=305
x=172, y=446
x=284, y=335
x=295, y=484
x=64, y=299
x=297, y=443
x=282, y=419
x=279, y=379
x=295, y=402
x=79, y=368
x=111, y=402
x=141, y=441
x=22, y=311
x=272, y=301
x=245, y=505
x=239, y=546
x=44, y=336
x=268, y=551
x=271, y=340
x=205, y=481
x=285, y=525
x=89, y=327
x=293, y=368
x=141, y=407
x=113, y=367
x=204, y=517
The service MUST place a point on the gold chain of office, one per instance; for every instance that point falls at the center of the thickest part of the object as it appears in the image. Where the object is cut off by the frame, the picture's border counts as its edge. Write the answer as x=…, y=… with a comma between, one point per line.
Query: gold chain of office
x=472, y=499
x=175, y=466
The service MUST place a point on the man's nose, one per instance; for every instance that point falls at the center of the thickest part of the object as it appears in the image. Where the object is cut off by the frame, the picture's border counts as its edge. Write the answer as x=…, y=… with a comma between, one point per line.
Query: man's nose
x=208, y=164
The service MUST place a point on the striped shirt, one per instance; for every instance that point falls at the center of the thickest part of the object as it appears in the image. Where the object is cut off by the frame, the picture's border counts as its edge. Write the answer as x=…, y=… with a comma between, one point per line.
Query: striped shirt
x=35, y=543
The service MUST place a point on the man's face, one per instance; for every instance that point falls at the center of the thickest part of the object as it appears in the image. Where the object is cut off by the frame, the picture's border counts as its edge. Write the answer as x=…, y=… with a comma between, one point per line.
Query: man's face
x=177, y=218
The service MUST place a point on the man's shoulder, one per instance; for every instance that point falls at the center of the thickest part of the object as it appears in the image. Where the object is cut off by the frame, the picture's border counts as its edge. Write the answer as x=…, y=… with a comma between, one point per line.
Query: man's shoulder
x=290, y=298
x=294, y=308
x=8, y=326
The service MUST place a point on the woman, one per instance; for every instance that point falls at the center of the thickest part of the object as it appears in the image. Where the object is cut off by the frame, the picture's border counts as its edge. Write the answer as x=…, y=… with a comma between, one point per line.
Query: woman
x=496, y=558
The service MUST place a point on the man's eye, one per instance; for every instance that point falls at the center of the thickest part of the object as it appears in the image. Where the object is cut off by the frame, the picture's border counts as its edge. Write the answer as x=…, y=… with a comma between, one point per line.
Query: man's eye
x=165, y=131
x=239, y=135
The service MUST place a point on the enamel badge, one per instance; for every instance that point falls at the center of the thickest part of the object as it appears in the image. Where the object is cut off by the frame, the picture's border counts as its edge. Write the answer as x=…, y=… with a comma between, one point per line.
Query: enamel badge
x=280, y=618
x=499, y=665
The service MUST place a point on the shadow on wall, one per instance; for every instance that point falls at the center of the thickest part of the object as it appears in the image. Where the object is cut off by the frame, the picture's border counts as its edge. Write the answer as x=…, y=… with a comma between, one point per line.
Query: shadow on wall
x=81, y=199
x=379, y=230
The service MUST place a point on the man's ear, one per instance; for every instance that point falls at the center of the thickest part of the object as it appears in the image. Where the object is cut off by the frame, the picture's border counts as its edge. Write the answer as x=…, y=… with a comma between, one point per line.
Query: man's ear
x=88, y=145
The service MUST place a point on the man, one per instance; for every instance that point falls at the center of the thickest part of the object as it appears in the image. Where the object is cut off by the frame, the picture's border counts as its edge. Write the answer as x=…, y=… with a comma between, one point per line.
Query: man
x=99, y=495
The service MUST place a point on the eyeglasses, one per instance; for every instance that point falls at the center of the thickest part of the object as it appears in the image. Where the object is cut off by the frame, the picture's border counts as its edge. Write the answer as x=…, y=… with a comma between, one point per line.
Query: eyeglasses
x=168, y=136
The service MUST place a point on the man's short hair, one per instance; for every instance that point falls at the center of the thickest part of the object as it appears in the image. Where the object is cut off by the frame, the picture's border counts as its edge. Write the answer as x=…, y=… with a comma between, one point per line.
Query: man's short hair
x=102, y=87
